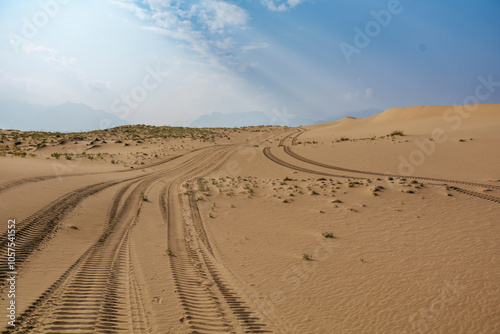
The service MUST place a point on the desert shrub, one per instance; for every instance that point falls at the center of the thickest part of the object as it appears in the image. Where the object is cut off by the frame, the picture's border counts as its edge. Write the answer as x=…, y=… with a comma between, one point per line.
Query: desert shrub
x=397, y=133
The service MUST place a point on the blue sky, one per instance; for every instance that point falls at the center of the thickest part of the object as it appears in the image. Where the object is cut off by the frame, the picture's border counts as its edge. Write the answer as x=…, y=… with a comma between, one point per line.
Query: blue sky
x=164, y=61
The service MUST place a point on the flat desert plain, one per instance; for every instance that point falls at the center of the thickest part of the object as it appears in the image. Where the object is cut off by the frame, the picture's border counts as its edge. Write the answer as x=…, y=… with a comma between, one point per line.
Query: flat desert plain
x=388, y=224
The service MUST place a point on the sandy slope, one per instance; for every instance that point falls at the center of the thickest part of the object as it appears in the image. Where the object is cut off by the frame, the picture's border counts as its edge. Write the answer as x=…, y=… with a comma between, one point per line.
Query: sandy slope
x=211, y=238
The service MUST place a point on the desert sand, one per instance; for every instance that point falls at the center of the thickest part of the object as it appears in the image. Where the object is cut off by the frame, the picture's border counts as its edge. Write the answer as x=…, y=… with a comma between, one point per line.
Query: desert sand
x=387, y=224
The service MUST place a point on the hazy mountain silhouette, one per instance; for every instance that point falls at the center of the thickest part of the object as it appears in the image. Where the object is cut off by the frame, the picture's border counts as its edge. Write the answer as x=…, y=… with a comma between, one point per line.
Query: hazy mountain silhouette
x=251, y=118
x=73, y=117
x=67, y=117
x=255, y=118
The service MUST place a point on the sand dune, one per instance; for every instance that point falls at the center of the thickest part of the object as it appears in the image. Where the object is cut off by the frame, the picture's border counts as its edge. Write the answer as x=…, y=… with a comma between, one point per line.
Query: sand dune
x=380, y=225
x=414, y=120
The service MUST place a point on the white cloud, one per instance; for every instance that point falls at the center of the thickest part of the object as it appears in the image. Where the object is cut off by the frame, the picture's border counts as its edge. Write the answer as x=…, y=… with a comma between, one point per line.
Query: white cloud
x=31, y=88
x=28, y=83
x=205, y=27
x=254, y=46
x=369, y=92
x=31, y=48
x=272, y=6
x=98, y=86
x=293, y=3
x=218, y=15
x=351, y=96
x=141, y=13
x=281, y=5
x=226, y=44
x=66, y=64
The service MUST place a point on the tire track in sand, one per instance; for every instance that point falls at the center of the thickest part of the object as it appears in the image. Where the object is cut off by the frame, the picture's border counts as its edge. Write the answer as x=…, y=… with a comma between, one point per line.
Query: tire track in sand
x=272, y=157
x=43, y=224
x=288, y=150
x=210, y=303
x=99, y=292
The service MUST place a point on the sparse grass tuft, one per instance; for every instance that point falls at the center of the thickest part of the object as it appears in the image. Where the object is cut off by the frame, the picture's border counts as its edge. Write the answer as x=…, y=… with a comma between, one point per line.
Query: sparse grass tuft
x=306, y=257
x=169, y=252
x=397, y=133
x=248, y=188
x=328, y=235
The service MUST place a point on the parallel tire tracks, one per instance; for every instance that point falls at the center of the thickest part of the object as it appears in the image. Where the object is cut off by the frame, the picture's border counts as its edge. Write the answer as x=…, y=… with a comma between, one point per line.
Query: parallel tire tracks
x=99, y=292
x=210, y=303
x=16, y=183
x=247, y=319
x=296, y=137
x=275, y=159
x=86, y=298
x=288, y=150
x=40, y=226
x=475, y=194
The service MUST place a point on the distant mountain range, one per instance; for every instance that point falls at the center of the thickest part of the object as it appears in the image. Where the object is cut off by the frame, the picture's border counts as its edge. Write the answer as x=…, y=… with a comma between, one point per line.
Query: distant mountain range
x=256, y=118
x=73, y=117
x=67, y=117
x=251, y=118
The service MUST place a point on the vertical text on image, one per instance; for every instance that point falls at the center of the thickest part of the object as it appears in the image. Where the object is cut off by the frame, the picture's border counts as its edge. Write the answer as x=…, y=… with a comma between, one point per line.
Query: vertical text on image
x=11, y=271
